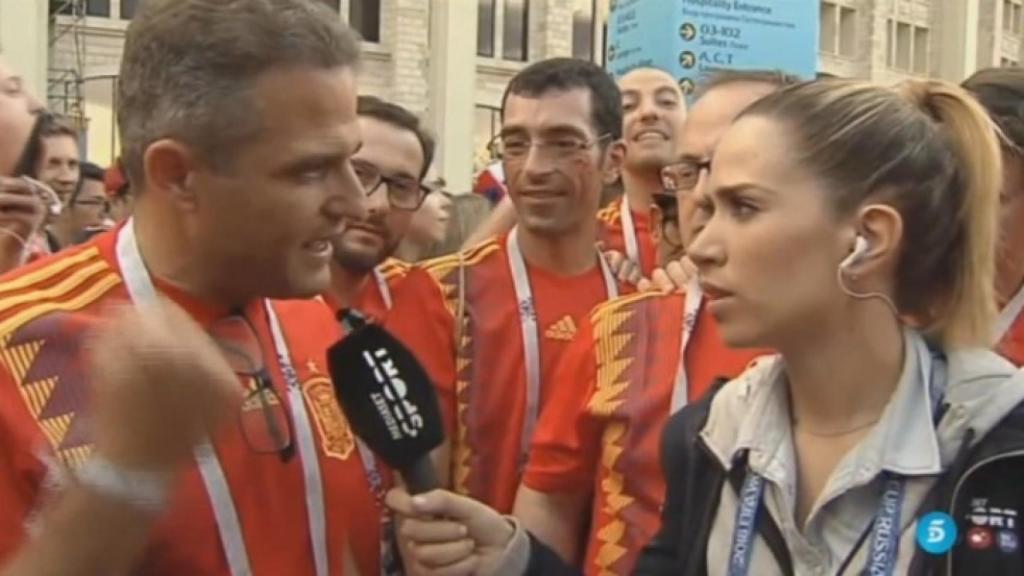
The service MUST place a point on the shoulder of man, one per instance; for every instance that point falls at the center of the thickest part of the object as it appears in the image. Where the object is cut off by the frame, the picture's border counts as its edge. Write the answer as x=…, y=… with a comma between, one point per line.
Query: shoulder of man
x=443, y=266
x=47, y=311
x=610, y=311
x=394, y=270
x=69, y=281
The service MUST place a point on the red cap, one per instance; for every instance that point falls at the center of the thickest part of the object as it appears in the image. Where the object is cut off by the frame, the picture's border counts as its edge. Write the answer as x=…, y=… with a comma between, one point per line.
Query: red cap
x=114, y=180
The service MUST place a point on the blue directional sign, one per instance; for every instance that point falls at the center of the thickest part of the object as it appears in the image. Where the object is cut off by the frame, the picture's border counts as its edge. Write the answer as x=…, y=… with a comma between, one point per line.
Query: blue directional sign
x=688, y=38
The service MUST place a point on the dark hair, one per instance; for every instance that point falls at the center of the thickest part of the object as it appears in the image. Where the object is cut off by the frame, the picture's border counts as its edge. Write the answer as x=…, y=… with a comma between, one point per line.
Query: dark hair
x=1001, y=92
x=52, y=126
x=89, y=171
x=188, y=66
x=928, y=150
x=563, y=74
x=399, y=117
x=721, y=77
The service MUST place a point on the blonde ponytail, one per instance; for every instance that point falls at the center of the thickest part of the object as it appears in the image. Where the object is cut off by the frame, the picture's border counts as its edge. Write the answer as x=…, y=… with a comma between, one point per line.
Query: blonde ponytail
x=929, y=150
x=969, y=308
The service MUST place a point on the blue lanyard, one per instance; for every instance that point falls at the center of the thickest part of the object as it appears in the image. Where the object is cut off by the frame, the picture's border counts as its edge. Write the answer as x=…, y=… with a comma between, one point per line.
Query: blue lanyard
x=885, y=533
x=885, y=529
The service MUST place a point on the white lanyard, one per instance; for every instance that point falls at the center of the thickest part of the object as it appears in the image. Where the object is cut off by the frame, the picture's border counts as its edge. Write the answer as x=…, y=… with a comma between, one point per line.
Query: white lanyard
x=629, y=232
x=1007, y=315
x=141, y=290
x=531, y=336
x=691, y=308
x=382, y=286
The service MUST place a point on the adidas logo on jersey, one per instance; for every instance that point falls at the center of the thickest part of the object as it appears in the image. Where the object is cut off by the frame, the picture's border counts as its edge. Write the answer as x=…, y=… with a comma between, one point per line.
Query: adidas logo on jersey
x=564, y=329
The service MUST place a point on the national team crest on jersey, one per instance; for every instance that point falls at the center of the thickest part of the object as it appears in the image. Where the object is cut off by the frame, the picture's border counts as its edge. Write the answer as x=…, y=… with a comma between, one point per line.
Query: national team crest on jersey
x=335, y=434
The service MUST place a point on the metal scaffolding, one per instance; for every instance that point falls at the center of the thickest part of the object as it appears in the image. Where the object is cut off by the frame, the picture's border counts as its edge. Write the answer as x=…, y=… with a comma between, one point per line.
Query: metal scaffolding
x=64, y=87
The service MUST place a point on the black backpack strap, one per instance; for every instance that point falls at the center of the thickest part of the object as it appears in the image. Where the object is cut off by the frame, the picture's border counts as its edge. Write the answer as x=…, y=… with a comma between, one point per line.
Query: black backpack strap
x=766, y=527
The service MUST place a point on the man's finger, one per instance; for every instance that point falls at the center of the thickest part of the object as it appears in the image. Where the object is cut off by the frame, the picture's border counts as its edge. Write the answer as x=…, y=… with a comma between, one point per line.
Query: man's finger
x=663, y=282
x=17, y=202
x=15, y=187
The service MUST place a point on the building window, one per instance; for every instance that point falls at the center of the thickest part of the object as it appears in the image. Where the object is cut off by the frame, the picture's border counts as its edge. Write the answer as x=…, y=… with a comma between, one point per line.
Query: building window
x=485, y=28
x=128, y=9
x=583, y=29
x=99, y=8
x=1012, y=16
x=907, y=49
x=503, y=29
x=515, y=30
x=919, y=58
x=838, y=30
x=364, y=16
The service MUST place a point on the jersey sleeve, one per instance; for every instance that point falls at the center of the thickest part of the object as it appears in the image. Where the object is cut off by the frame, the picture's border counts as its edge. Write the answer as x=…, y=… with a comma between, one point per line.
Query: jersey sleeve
x=421, y=320
x=567, y=442
x=20, y=471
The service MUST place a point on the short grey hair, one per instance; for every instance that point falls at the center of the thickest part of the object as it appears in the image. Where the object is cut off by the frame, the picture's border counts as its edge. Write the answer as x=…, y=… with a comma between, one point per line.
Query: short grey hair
x=188, y=67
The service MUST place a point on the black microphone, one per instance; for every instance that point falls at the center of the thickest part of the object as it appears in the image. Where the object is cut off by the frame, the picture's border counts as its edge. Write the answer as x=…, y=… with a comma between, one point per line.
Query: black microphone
x=389, y=401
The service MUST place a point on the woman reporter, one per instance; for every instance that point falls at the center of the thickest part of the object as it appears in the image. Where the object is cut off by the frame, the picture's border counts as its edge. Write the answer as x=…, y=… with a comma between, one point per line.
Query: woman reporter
x=861, y=246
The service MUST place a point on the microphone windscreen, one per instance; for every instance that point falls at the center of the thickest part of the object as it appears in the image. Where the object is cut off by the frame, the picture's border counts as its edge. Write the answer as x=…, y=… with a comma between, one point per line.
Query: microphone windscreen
x=387, y=396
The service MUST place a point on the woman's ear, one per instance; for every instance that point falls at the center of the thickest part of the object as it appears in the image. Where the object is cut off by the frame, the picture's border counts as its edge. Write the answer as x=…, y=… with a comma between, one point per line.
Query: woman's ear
x=880, y=227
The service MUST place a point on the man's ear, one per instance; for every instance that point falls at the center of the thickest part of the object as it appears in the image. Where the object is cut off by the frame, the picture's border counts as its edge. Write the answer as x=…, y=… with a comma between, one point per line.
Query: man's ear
x=170, y=167
x=614, y=155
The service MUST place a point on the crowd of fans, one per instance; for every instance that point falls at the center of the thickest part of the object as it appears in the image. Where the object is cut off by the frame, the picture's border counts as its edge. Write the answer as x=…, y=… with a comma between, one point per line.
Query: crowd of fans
x=777, y=331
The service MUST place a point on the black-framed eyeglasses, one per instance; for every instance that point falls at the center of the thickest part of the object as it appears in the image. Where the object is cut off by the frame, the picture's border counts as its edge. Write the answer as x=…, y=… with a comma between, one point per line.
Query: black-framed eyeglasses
x=516, y=147
x=263, y=418
x=403, y=193
x=668, y=204
x=684, y=175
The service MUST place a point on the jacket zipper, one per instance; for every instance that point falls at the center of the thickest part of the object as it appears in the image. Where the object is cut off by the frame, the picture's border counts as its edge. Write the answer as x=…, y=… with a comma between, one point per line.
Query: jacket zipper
x=959, y=485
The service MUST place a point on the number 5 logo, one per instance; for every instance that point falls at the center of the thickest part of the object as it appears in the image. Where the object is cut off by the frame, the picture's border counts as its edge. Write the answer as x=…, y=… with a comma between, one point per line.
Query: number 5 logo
x=936, y=533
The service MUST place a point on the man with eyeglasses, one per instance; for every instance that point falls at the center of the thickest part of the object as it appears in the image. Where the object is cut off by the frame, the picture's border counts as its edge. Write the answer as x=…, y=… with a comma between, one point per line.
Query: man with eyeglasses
x=395, y=156
x=87, y=210
x=635, y=361
x=629, y=227
x=490, y=322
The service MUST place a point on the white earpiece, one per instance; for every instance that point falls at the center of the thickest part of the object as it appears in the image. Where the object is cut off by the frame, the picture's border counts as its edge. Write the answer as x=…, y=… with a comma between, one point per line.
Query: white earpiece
x=860, y=248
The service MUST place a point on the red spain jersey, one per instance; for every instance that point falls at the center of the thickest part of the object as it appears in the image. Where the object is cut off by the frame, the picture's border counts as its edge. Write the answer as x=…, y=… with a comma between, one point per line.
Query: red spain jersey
x=612, y=234
x=376, y=296
x=47, y=311
x=481, y=382
x=600, y=432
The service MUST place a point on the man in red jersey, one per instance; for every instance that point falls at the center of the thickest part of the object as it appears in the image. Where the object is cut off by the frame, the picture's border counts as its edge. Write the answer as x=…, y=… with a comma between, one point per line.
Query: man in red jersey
x=594, y=462
x=238, y=122
x=392, y=162
x=490, y=323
